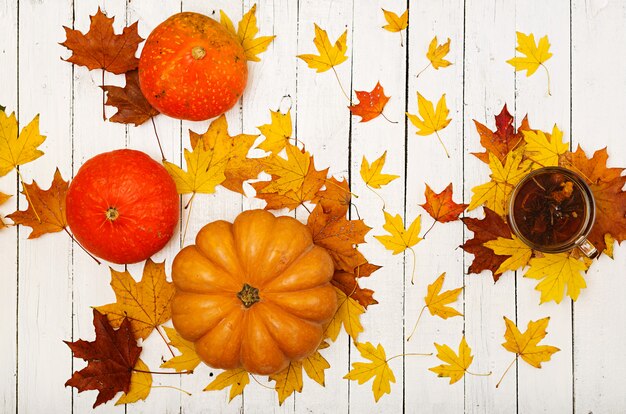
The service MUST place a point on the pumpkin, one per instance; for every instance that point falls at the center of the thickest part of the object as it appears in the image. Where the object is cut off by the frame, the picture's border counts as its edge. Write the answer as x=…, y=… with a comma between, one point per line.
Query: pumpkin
x=254, y=294
x=192, y=67
x=122, y=206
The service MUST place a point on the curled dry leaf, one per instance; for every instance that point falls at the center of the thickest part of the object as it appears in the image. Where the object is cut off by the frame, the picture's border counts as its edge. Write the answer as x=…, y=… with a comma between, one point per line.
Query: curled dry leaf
x=132, y=106
x=329, y=55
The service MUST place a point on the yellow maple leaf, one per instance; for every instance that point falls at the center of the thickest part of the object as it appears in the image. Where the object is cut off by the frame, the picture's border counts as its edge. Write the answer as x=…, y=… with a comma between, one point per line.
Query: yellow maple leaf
x=17, y=149
x=432, y=121
x=3, y=199
x=329, y=55
x=205, y=170
x=188, y=360
x=495, y=194
x=378, y=369
x=400, y=238
x=436, y=53
x=348, y=315
x=289, y=174
x=526, y=344
x=277, y=133
x=543, y=150
x=315, y=366
x=535, y=54
x=372, y=174
x=557, y=272
x=436, y=300
x=396, y=23
x=146, y=303
x=608, y=240
x=456, y=365
x=247, y=30
x=236, y=379
x=140, y=385
x=288, y=381
x=518, y=251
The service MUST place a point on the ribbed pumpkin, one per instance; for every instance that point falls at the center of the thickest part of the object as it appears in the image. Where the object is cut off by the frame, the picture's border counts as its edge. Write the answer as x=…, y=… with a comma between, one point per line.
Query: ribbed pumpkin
x=254, y=294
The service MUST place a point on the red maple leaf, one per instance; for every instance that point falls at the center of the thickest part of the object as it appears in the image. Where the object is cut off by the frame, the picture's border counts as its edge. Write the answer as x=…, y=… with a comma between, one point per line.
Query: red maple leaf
x=440, y=206
x=371, y=104
x=504, y=139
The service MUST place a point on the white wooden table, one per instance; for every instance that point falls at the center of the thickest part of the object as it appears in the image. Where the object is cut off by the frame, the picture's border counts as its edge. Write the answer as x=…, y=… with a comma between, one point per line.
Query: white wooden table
x=48, y=284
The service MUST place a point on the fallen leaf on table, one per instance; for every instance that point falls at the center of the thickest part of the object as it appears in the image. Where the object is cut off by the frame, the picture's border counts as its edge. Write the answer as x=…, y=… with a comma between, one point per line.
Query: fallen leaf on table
x=519, y=253
x=456, y=364
x=132, y=106
x=504, y=139
x=396, y=23
x=557, y=273
x=329, y=55
x=349, y=284
x=526, y=344
x=437, y=301
x=432, y=121
x=288, y=174
x=236, y=379
x=277, y=133
x=348, y=315
x=17, y=149
x=489, y=228
x=140, y=385
x=440, y=206
x=110, y=359
x=377, y=368
x=372, y=174
x=315, y=366
x=545, y=150
x=146, y=304
x=335, y=198
x=188, y=360
x=437, y=52
x=495, y=194
x=247, y=30
x=536, y=54
x=371, y=104
x=3, y=199
x=288, y=381
x=399, y=238
x=46, y=208
x=101, y=48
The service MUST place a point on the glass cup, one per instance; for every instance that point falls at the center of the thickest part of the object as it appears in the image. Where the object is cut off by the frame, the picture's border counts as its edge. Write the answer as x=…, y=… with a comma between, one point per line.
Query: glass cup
x=552, y=210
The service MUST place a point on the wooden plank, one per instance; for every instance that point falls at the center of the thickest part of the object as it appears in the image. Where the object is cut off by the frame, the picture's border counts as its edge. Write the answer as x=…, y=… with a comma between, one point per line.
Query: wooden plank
x=489, y=84
x=8, y=236
x=598, y=97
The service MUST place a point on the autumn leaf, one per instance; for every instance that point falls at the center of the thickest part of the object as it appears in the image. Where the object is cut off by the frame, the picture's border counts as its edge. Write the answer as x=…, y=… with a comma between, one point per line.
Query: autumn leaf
x=489, y=228
x=188, y=360
x=399, y=238
x=348, y=315
x=16, y=150
x=545, y=150
x=247, y=31
x=3, y=199
x=288, y=174
x=277, y=133
x=132, y=106
x=504, y=139
x=396, y=23
x=372, y=174
x=557, y=273
x=315, y=366
x=349, y=284
x=440, y=206
x=496, y=193
x=371, y=104
x=101, y=48
x=437, y=301
x=335, y=197
x=329, y=55
x=236, y=379
x=110, y=359
x=146, y=304
x=535, y=54
x=432, y=121
x=519, y=253
x=455, y=364
x=140, y=385
x=288, y=381
x=46, y=208
x=437, y=52
x=377, y=368
x=608, y=240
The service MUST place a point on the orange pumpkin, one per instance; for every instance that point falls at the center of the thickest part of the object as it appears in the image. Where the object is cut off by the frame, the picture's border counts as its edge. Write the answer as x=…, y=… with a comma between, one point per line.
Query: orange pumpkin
x=254, y=294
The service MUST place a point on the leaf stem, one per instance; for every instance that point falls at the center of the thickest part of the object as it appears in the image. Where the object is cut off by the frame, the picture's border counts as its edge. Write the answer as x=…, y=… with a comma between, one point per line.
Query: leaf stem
x=401, y=39
x=408, y=354
x=157, y=138
x=172, y=387
x=190, y=206
x=377, y=195
x=429, y=229
x=165, y=340
x=163, y=372
x=416, y=322
x=507, y=370
x=478, y=375
x=104, y=116
x=548, y=74
x=26, y=194
x=388, y=120
x=421, y=71
x=341, y=86
x=81, y=246
x=414, y=265
x=259, y=382
x=442, y=144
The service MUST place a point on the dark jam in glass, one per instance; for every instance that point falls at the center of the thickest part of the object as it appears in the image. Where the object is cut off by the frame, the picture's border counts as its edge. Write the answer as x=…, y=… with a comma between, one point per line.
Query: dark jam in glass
x=549, y=209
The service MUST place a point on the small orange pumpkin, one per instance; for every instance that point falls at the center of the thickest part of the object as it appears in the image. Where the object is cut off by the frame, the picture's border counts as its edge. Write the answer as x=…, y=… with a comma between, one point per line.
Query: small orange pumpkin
x=254, y=294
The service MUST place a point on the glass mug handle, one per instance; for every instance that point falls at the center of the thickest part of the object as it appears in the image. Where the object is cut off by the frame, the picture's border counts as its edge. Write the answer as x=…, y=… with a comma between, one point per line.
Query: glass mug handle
x=587, y=248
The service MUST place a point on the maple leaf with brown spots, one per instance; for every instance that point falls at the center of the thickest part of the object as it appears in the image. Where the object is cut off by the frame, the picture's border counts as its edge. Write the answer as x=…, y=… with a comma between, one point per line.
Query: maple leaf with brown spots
x=504, y=139
x=371, y=104
x=132, y=106
x=335, y=196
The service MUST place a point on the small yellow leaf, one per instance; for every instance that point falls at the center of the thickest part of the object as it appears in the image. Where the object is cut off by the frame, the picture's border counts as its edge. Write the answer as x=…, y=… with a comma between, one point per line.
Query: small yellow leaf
x=558, y=273
x=436, y=302
x=18, y=150
x=227, y=23
x=544, y=150
x=288, y=381
x=378, y=369
x=188, y=360
x=140, y=385
x=373, y=176
x=247, y=31
x=432, y=120
x=315, y=365
x=289, y=173
x=456, y=365
x=277, y=133
x=518, y=251
x=205, y=170
x=400, y=238
x=348, y=314
x=436, y=53
x=526, y=344
x=329, y=55
x=396, y=23
x=535, y=54
x=236, y=379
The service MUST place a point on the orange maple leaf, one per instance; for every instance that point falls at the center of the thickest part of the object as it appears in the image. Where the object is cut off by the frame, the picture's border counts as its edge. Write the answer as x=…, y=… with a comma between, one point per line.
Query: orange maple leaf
x=132, y=106
x=46, y=210
x=347, y=275
x=335, y=197
x=504, y=139
x=440, y=206
x=371, y=104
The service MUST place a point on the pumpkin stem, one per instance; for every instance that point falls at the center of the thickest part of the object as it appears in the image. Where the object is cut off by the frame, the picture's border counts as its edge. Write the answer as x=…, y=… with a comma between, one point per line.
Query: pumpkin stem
x=112, y=214
x=248, y=295
x=198, y=52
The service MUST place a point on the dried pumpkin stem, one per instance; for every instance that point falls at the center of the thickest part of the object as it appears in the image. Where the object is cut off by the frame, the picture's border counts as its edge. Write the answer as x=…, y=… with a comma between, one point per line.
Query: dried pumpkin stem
x=505, y=371
x=248, y=295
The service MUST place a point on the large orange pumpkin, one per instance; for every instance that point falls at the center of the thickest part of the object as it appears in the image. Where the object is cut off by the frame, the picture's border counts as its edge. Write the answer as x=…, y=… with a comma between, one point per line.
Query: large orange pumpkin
x=254, y=294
